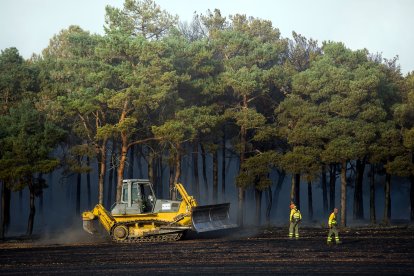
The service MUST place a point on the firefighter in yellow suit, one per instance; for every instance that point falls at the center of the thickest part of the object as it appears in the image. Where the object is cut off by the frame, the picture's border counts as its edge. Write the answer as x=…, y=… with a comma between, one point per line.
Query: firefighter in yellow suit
x=332, y=227
x=294, y=218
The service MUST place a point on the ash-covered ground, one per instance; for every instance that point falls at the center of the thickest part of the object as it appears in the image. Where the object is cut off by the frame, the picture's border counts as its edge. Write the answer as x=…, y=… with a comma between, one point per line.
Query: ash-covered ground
x=262, y=251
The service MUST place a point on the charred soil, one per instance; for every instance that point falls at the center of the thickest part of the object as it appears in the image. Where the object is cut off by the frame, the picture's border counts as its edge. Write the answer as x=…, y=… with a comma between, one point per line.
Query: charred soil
x=247, y=251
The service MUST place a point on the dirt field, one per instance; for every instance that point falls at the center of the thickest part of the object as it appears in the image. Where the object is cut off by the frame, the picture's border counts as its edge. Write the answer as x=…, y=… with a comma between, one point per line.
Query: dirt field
x=248, y=251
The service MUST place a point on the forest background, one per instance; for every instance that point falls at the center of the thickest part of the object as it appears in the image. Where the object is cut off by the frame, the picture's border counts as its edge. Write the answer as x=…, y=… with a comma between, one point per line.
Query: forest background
x=225, y=105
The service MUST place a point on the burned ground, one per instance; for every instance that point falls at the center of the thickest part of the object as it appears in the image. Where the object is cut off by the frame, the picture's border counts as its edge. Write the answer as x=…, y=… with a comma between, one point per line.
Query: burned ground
x=248, y=251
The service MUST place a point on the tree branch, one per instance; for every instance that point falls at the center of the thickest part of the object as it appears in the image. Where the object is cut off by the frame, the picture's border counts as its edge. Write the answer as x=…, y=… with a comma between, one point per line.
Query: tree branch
x=144, y=141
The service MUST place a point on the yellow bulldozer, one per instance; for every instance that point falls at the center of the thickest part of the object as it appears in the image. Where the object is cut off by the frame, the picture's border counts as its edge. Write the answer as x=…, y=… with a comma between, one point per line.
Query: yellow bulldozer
x=141, y=217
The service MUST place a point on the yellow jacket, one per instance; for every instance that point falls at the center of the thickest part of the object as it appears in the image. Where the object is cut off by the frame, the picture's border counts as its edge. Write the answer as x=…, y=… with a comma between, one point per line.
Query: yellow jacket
x=295, y=214
x=332, y=220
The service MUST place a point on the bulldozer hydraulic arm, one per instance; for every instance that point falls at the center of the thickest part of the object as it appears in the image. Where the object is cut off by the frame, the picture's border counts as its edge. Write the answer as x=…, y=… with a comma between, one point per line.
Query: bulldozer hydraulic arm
x=189, y=200
x=99, y=212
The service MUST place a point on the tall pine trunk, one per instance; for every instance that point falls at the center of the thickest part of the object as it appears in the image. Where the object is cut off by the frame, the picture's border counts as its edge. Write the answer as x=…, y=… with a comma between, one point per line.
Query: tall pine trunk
x=223, y=164
x=343, y=193
x=324, y=191
x=151, y=168
x=111, y=176
x=241, y=192
x=332, y=182
x=160, y=175
x=88, y=183
x=121, y=167
x=115, y=184
x=102, y=171
x=41, y=194
x=5, y=209
x=269, y=204
x=196, y=182
x=279, y=184
x=204, y=170
x=243, y=145
x=295, y=190
x=139, y=148
x=240, y=205
x=372, y=215
x=21, y=201
x=30, y=221
x=177, y=164
x=358, y=210
x=3, y=203
x=110, y=185
x=78, y=193
x=131, y=163
x=412, y=197
x=123, y=151
x=310, y=201
x=258, y=198
x=171, y=180
x=215, y=176
x=387, y=199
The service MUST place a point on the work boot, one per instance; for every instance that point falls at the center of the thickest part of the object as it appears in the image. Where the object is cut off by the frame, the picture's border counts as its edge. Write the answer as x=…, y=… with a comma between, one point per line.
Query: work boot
x=338, y=242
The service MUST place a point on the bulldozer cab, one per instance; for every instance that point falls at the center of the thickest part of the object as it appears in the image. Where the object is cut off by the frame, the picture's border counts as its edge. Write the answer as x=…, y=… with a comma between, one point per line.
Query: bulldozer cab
x=137, y=198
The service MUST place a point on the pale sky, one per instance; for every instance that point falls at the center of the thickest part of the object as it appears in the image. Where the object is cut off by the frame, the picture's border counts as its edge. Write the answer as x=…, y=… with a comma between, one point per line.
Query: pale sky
x=384, y=26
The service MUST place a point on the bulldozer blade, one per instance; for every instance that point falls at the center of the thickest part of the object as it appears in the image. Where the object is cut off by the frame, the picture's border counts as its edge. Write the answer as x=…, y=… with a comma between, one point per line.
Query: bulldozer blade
x=89, y=227
x=211, y=218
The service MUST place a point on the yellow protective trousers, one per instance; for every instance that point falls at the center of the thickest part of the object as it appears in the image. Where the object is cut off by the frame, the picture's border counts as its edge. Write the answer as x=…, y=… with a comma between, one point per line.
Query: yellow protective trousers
x=333, y=231
x=294, y=229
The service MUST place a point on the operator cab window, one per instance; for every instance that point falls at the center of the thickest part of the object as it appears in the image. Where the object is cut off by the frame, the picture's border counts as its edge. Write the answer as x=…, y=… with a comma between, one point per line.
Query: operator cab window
x=147, y=191
x=147, y=197
x=125, y=194
x=134, y=193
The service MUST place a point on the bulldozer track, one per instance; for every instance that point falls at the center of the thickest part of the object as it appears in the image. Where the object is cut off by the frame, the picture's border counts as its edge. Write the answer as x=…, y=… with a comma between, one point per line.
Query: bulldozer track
x=151, y=238
x=156, y=221
x=175, y=236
